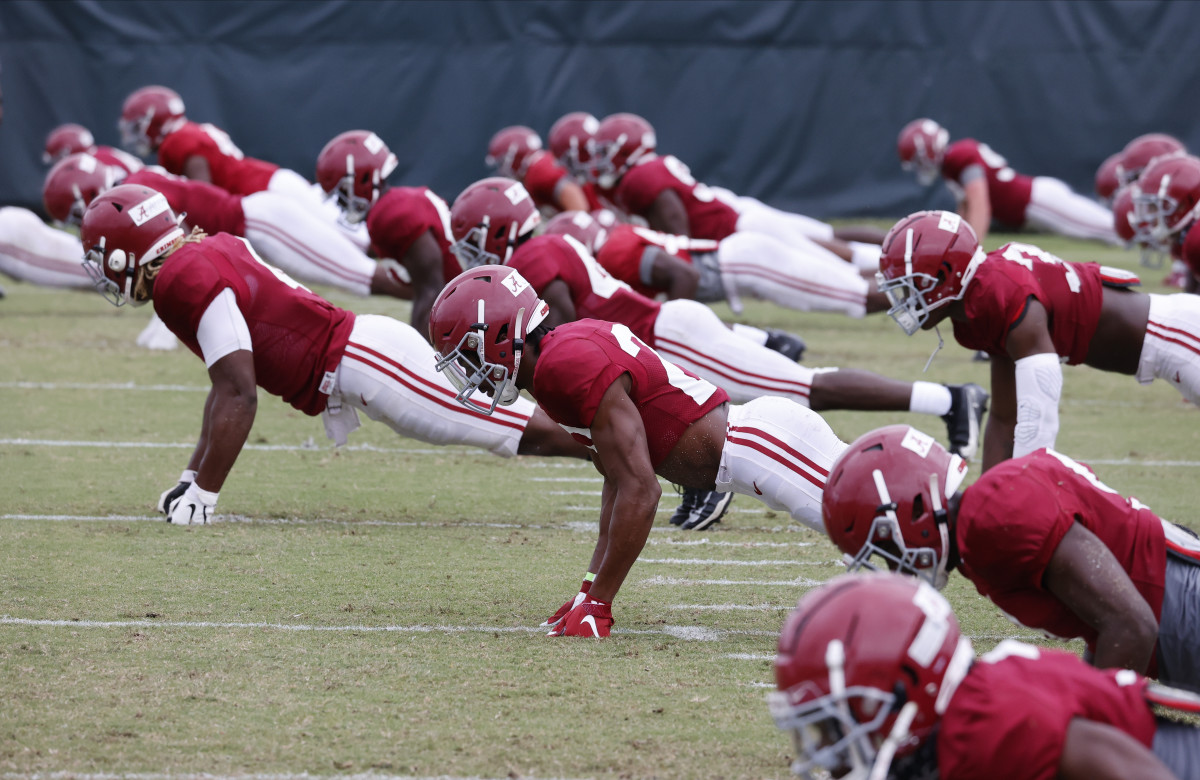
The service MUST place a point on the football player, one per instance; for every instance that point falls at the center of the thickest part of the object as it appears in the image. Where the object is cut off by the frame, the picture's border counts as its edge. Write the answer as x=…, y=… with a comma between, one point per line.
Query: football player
x=516, y=152
x=254, y=326
x=410, y=225
x=153, y=121
x=765, y=253
x=71, y=139
x=986, y=188
x=493, y=221
x=1051, y=545
x=1029, y=310
x=639, y=414
x=875, y=679
x=275, y=225
x=1165, y=204
x=658, y=265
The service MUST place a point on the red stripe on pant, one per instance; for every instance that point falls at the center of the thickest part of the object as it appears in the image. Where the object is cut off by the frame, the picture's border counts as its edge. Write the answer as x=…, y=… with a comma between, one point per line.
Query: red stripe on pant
x=816, y=479
x=1152, y=329
x=731, y=373
x=411, y=381
x=328, y=264
x=801, y=285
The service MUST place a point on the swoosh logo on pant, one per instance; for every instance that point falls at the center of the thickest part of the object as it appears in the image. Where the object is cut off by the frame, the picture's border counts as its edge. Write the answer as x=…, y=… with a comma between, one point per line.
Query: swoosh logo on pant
x=754, y=483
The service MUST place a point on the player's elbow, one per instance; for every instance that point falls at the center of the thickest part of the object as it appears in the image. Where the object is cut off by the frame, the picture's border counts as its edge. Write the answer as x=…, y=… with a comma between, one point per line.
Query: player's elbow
x=1128, y=639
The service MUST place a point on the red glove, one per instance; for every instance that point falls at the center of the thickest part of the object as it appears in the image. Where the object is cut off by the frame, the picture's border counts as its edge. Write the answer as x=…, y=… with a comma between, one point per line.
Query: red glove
x=591, y=618
x=570, y=604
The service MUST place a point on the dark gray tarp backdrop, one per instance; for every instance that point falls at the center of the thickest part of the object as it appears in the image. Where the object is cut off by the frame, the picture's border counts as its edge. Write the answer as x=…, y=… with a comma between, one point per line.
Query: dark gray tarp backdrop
x=797, y=103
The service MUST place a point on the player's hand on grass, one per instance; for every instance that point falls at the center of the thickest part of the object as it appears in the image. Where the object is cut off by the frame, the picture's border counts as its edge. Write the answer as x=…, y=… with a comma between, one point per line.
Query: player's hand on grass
x=590, y=618
x=194, y=507
x=170, y=494
x=570, y=604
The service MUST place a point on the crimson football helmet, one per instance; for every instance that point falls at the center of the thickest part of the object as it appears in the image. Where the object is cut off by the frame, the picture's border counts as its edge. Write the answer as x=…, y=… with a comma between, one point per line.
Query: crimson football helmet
x=477, y=326
x=1137, y=232
x=928, y=260
x=148, y=115
x=67, y=139
x=489, y=219
x=1107, y=182
x=572, y=142
x=1166, y=197
x=123, y=231
x=354, y=165
x=887, y=495
x=1138, y=153
x=621, y=140
x=510, y=149
x=580, y=226
x=72, y=184
x=921, y=146
x=866, y=666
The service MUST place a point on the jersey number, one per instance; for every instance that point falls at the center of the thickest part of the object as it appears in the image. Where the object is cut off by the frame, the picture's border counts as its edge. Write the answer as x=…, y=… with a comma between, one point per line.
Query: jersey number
x=700, y=191
x=1025, y=254
x=697, y=389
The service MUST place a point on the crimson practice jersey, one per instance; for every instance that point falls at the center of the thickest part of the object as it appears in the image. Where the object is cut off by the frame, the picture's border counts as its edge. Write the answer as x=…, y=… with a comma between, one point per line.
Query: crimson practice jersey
x=996, y=298
x=1190, y=250
x=1009, y=716
x=624, y=251
x=541, y=177
x=708, y=217
x=120, y=159
x=1008, y=190
x=297, y=336
x=1013, y=517
x=231, y=170
x=202, y=205
x=580, y=360
x=595, y=294
x=404, y=214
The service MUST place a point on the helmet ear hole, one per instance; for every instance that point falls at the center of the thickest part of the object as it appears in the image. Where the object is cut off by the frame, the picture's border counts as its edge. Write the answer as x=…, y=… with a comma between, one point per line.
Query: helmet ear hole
x=117, y=261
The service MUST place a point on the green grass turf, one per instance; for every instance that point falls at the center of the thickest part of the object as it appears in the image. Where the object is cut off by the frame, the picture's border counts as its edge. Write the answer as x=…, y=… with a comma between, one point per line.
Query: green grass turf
x=429, y=570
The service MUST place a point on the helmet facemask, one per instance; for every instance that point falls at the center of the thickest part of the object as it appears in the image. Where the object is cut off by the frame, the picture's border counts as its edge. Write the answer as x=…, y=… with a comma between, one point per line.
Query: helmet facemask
x=886, y=537
x=135, y=135
x=470, y=249
x=827, y=734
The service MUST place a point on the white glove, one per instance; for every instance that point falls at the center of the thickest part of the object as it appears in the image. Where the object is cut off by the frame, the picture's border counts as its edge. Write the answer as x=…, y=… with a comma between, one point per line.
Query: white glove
x=170, y=494
x=194, y=507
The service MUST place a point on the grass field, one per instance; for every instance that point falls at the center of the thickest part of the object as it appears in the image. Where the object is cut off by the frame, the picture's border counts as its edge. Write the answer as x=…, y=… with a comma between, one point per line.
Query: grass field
x=374, y=609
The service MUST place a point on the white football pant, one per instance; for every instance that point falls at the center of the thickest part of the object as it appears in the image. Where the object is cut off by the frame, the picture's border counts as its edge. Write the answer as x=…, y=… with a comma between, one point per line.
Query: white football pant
x=1055, y=208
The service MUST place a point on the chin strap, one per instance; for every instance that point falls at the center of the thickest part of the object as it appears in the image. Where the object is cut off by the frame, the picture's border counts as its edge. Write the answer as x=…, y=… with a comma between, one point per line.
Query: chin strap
x=936, y=349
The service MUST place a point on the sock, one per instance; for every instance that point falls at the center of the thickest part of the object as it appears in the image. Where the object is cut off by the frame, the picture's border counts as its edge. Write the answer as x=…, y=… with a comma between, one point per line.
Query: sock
x=751, y=333
x=930, y=398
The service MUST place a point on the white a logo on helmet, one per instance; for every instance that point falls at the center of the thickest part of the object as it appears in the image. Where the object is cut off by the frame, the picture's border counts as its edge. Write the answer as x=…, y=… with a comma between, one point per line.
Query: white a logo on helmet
x=515, y=283
x=373, y=143
x=516, y=193
x=918, y=442
x=949, y=221
x=149, y=209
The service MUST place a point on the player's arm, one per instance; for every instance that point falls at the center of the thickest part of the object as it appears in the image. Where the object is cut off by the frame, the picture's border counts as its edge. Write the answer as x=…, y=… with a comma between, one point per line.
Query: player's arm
x=1002, y=414
x=229, y=415
x=569, y=196
x=624, y=456
x=667, y=214
x=557, y=296
x=423, y=261
x=1037, y=374
x=1098, y=751
x=1087, y=578
x=976, y=205
x=196, y=167
x=676, y=277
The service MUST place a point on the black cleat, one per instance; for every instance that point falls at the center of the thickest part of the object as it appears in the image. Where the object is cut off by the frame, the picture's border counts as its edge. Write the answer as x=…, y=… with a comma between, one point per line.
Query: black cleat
x=709, y=508
x=968, y=404
x=791, y=347
x=685, y=508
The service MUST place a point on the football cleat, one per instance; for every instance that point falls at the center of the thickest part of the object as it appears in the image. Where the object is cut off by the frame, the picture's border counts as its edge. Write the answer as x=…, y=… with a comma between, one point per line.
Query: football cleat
x=965, y=419
x=790, y=346
x=708, y=509
x=684, y=510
